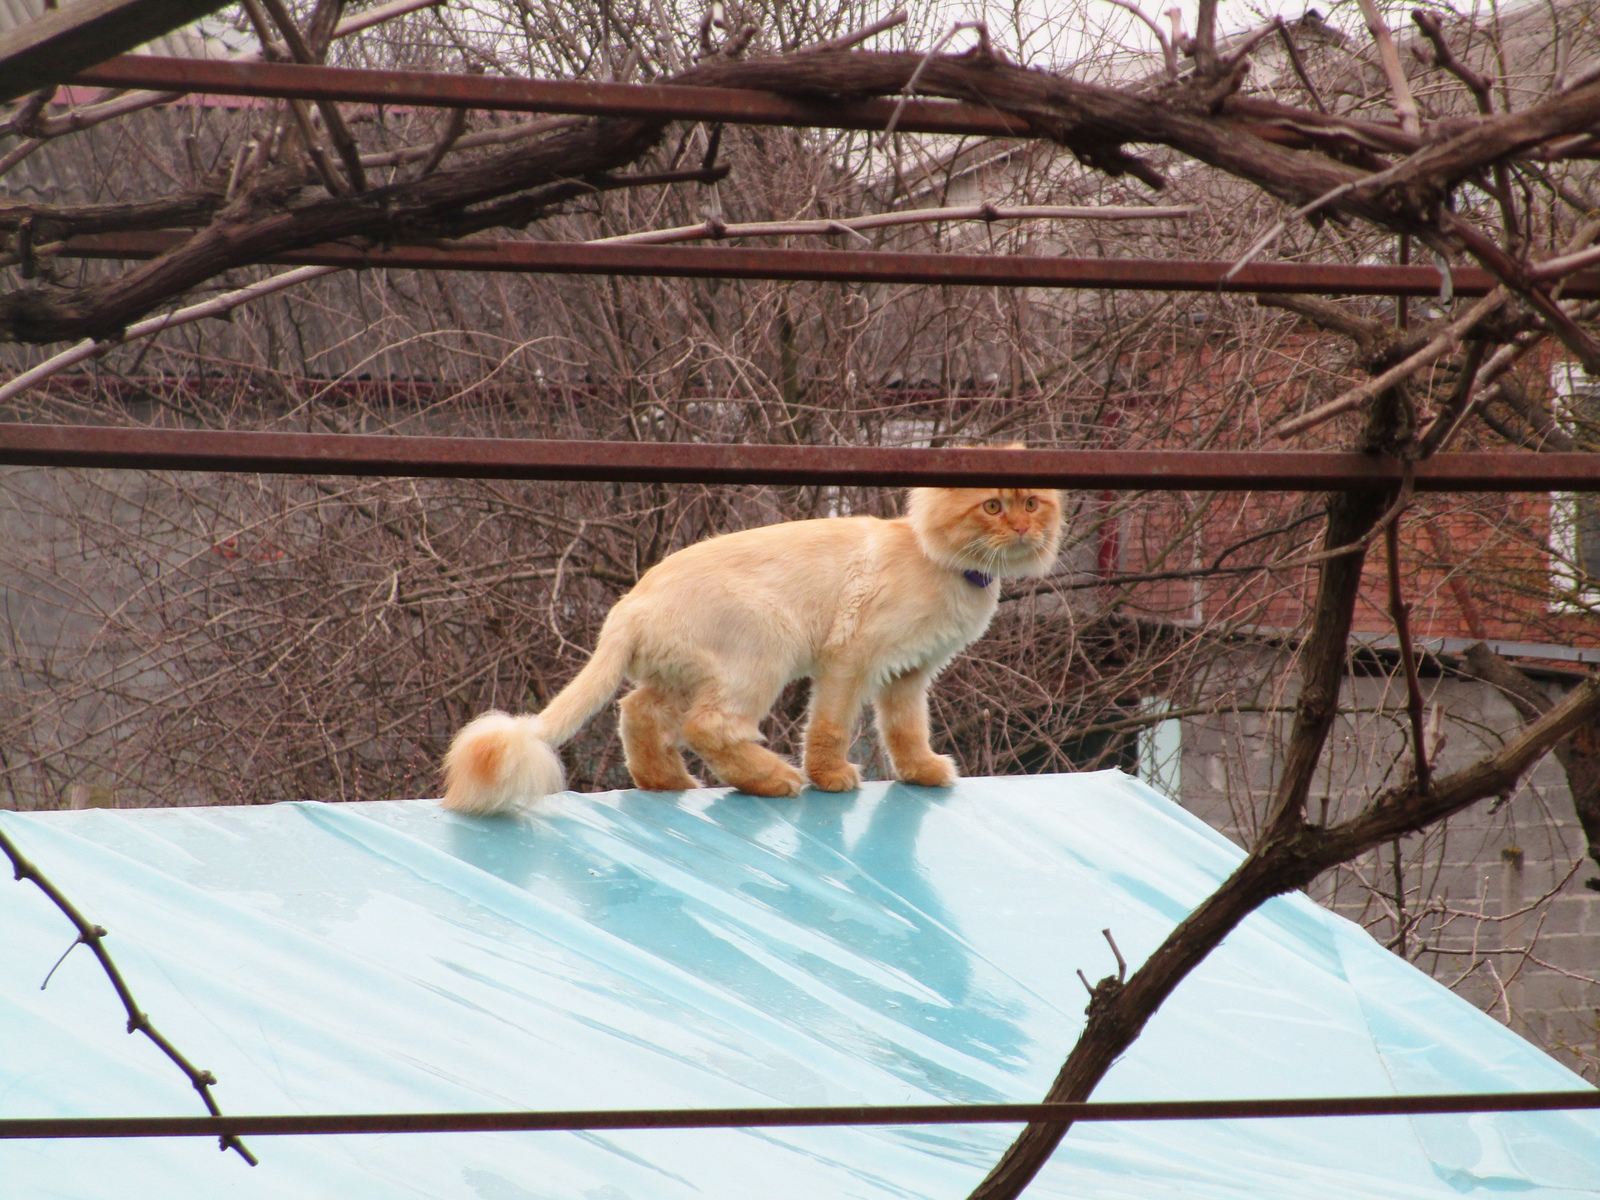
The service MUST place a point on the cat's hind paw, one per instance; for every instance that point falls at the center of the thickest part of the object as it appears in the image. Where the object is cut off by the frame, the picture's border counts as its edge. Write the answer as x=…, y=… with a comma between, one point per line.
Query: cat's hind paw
x=659, y=772
x=783, y=782
x=836, y=777
x=664, y=781
x=937, y=770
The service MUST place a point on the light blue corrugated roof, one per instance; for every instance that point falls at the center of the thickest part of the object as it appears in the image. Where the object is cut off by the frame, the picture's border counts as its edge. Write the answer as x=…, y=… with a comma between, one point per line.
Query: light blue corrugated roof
x=626, y=950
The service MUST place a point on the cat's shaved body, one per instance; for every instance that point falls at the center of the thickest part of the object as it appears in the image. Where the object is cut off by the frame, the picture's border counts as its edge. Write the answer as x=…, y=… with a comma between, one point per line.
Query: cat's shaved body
x=868, y=609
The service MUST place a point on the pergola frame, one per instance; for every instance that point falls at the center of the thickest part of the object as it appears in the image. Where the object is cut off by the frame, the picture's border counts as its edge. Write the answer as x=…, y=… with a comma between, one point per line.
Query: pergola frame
x=342, y=454
x=492, y=458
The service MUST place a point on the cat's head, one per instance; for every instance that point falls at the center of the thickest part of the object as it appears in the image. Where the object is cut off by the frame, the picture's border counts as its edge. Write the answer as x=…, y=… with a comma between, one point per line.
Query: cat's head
x=999, y=531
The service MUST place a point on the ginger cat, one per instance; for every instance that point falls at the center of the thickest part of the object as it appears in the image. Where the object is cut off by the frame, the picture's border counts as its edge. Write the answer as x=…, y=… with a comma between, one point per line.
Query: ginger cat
x=867, y=608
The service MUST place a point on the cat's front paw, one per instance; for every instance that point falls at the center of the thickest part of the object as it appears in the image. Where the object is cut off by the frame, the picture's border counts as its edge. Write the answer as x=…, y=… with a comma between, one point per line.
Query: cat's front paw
x=836, y=777
x=937, y=770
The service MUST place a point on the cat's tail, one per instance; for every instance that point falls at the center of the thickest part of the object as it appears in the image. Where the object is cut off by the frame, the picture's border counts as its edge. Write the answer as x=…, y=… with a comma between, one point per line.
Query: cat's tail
x=499, y=761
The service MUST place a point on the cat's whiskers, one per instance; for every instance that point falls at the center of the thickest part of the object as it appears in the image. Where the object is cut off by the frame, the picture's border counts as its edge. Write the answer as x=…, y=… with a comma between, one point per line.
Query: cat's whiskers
x=993, y=559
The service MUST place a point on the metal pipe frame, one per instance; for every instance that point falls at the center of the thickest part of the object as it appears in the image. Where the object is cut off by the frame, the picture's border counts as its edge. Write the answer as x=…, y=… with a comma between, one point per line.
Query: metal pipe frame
x=855, y=266
x=379, y=455
x=642, y=101
x=752, y=1118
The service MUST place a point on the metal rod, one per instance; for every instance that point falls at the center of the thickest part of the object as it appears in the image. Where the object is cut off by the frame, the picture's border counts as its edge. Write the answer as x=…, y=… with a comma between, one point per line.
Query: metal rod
x=644, y=101
x=748, y=1118
x=855, y=266
x=655, y=462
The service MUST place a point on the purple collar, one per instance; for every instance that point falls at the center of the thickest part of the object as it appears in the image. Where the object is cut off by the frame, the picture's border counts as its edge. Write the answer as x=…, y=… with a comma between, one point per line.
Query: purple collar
x=977, y=578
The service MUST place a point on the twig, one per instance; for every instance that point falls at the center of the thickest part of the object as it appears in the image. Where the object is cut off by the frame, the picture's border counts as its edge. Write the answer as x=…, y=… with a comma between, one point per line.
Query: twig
x=1405, y=108
x=1368, y=335
x=93, y=936
x=714, y=15
x=338, y=131
x=1400, y=613
x=1562, y=265
x=215, y=307
x=1444, y=57
x=1205, y=37
x=1483, y=248
x=1251, y=41
x=910, y=88
x=26, y=119
x=1168, y=51
x=380, y=14
x=1455, y=409
x=76, y=942
x=1481, y=386
x=845, y=41
x=259, y=18
x=1453, y=580
x=1441, y=344
x=736, y=44
x=1305, y=210
x=975, y=212
x=1122, y=966
x=1400, y=922
x=18, y=153
x=455, y=126
x=1299, y=64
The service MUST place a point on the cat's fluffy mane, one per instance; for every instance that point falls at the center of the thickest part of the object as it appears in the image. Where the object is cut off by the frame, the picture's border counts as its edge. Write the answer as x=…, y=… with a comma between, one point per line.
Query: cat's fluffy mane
x=869, y=609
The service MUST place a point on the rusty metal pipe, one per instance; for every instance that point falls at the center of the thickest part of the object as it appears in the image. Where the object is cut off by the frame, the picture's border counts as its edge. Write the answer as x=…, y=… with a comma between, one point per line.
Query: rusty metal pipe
x=750, y=1118
x=654, y=462
x=645, y=101
x=855, y=266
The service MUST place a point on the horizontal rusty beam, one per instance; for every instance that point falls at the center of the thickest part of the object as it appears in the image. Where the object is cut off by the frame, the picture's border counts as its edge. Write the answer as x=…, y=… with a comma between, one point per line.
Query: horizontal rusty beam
x=648, y=101
x=655, y=462
x=644, y=101
x=755, y=1118
x=856, y=266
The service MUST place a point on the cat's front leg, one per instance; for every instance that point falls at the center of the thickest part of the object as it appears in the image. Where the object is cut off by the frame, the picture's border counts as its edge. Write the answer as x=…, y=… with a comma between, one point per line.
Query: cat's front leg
x=903, y=724
x=835, y=703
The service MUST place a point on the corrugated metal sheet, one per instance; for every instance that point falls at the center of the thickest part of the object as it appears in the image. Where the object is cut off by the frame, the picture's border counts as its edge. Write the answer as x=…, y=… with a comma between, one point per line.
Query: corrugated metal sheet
x=630, y=950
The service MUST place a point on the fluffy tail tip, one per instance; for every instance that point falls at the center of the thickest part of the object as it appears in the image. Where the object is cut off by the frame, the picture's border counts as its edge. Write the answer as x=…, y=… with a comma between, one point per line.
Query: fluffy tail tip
x=499, y=762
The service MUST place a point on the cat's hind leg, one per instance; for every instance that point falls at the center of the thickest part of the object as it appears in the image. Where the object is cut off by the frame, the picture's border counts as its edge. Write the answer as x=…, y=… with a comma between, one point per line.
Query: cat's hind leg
x=903, y=724
x=727, y=736
x=835, y=704
x=651, y=726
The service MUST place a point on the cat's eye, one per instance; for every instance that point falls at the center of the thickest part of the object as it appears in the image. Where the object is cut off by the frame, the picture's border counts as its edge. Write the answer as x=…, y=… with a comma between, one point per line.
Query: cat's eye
x=991, y=506
x=1033, y=503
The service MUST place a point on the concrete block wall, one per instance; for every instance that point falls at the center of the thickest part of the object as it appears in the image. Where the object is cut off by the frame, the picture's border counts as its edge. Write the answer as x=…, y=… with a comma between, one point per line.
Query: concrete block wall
x=1493, y=901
